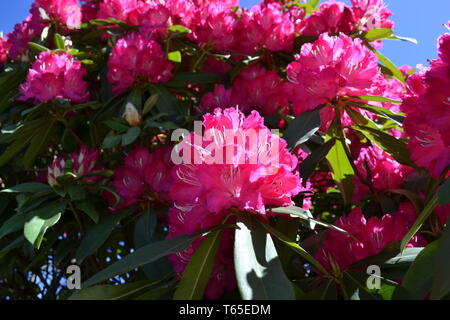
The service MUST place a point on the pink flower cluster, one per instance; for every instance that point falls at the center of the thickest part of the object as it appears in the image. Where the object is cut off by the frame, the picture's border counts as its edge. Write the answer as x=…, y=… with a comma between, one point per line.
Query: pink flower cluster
x=55, y=75
x=380, y=170
x=254, y=88
x=335, y=17
x=203, y=193
x=330, y=66
x=65, y=12
x=4, y=48
x=136, y=59
x=144, y=175
x=427, y=108
x=339, y=251
x=86, y=161
x=23, y=33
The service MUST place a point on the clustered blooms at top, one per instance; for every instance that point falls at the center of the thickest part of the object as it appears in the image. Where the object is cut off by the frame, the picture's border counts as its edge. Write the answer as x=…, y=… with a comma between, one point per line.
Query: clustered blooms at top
x=55, y=75
x=330, y=69
x=427, y=107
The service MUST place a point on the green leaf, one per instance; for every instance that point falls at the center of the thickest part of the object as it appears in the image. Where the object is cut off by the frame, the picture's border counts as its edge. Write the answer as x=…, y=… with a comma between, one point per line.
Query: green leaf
x=386, y=113
x=183, y=79
x=35, y=228
x=259, y=273
x=377, y=98
x=302, y=128
x=38, y=47
x=444, y=193
x=423, y=216
x=99, y=233
x=130, y=136
x=150, y=103
x=441, y=282
x=174, y=56
x=112, y=292
x=389, y=65
x=14, y=149
x=76, y=192
x=196, y=275
x=32, y=187
x=407, y=39
x=393, y=146
x=419, y=278
x=377, y=34
x=39, y=142
x=309, y=165
x=141, y=256
x=179, y=29
x=111, y=141
x=59, y=42
x=144, y=234
x=167, y=102
x=294, y=246
x=303, y=214
x=341, y=170
x=89, y=208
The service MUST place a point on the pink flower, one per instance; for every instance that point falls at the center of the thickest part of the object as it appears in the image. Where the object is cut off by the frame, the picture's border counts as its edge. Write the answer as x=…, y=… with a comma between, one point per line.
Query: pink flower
x=380, y=169
x=427, y=109
x=266, y=25
x=55, y=75
x=135, y=12
x=136, y=59
x=254, y=88
x=372, y=14
x=332, y=65
x=66, y=12
x=86, y=161
x=247, y=180
x=144, y=174
x=23, y=33
x=443, y=213
x=332, y=17
x=4, y=48
x=372, y=236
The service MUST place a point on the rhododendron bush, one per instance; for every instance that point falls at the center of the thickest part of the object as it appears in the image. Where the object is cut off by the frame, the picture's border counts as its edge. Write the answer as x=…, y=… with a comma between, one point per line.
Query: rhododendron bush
x=191, y=149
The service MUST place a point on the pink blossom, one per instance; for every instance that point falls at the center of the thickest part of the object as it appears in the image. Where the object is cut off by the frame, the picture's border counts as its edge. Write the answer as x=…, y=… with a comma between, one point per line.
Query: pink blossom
x=372, y=236
x=136, y=59
x=86, y=161
x=237, y=182
x=144, y=174
x=332, y=65
x=380, y=169
x=23, y=33
x=443, y=214
x=66, y=12
x=4, y=48
x=372, y=14
x=332, y=17
x=266, y=26
x=55, y=75
x=427, y=107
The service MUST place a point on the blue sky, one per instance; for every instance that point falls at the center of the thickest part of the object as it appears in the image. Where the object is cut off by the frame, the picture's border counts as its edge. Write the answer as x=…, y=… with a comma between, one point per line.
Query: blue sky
x=420, y=19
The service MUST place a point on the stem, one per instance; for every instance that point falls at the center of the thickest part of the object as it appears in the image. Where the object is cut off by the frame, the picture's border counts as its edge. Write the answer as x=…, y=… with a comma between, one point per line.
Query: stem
x=69, y=129
x=77, y=216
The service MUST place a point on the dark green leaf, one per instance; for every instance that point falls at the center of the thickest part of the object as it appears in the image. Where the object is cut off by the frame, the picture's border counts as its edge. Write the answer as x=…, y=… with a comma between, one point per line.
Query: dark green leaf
x=89, y=208
x=441, y=282
x=29, y=187
x=112, y=292
x=258, y=269
x=130, y=136
x=302, y=128
x=197, y=273
x=183, y=79
x=309, y=165
x=444, y=193
x=99, y=233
